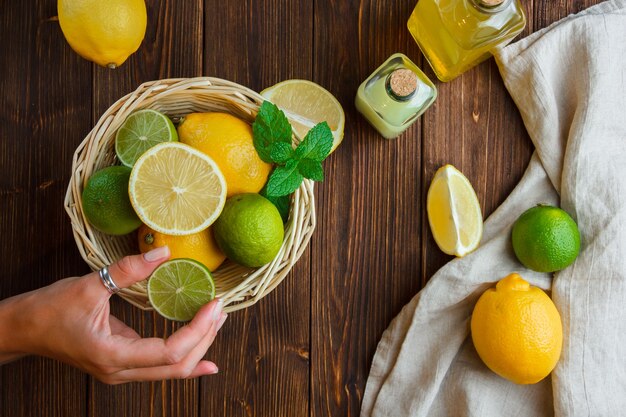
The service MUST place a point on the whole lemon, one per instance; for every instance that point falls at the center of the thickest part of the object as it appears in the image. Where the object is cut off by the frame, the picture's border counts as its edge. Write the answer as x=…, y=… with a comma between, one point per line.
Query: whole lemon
x=228, y=141
x=106, y=32
x=517, y=331
x=249, y=230
x=545, y=239
x=106, y=203
x=200, y=247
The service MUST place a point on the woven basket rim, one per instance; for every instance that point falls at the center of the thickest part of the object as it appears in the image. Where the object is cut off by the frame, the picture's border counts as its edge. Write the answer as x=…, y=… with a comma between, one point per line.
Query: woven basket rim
x=237, y=286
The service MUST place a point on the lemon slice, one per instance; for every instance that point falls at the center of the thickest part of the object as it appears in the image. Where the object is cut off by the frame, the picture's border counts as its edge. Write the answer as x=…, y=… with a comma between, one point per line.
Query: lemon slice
x=306, y=104
x=454, y=212
x=176, y=189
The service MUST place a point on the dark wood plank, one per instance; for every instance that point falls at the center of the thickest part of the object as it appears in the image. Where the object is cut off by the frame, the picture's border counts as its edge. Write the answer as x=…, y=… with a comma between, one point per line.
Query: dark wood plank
x=45, y=89
x=366, y=253
x=171, y=48
x=263, y=351
x=546, y=12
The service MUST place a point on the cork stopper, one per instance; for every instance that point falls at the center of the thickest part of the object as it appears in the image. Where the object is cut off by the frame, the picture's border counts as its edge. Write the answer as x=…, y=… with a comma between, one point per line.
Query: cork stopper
x=491, y=3
x=402, y=83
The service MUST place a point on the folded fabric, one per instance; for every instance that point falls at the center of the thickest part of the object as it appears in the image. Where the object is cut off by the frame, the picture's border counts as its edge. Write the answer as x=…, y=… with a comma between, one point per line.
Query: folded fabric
x=569, y=83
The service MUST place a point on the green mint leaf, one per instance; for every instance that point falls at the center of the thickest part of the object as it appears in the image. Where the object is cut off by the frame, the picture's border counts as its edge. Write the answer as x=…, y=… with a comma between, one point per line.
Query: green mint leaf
x=281, y=203
x=311, y=169
x=269, y=127
x=281, y=152
x=317, y=144
x=284, y=180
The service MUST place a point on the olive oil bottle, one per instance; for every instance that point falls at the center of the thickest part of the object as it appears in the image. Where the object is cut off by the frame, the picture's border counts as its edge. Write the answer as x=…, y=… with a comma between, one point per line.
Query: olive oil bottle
x=395, y=95
x=455, y=35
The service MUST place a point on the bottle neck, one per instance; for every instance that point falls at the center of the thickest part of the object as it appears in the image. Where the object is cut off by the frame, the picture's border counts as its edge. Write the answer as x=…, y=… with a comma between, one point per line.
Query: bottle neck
x=490, y=6
x=401, y=84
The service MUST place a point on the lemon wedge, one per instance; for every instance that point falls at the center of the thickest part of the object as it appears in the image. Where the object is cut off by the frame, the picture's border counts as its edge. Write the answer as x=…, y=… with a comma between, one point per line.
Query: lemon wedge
x=176, y=189
x=454, y=212
x=306, y=104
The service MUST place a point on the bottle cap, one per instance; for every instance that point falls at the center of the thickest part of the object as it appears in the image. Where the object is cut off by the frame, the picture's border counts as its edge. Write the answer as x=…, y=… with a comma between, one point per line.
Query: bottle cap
x=402, y=83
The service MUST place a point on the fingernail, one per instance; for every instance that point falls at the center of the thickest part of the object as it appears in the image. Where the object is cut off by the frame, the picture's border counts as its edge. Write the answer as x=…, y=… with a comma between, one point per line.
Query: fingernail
x=157, y=254
x=217, y=310
x=222, y=320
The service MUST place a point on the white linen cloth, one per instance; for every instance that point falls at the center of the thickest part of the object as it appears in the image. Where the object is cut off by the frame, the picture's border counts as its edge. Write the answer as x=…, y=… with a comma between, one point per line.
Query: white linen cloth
x=569, y=83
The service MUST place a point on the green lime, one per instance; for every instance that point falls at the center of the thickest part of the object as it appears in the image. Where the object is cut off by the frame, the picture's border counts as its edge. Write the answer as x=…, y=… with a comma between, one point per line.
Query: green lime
x=545, y=239
x=106, y=203
x=179, y=287
x=141, y=131
x=249, y=230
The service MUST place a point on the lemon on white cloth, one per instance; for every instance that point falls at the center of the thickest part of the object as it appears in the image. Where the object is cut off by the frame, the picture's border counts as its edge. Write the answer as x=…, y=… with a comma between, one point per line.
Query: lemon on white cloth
x=106, y=32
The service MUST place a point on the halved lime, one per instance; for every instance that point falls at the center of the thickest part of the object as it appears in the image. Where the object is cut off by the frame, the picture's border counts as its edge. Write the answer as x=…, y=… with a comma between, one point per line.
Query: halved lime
x=141, y=131
x=179, y=287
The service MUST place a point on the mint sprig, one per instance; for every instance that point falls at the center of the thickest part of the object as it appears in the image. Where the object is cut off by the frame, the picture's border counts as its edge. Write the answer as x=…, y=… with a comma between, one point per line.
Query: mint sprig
x=269, y=128
x=272, y=140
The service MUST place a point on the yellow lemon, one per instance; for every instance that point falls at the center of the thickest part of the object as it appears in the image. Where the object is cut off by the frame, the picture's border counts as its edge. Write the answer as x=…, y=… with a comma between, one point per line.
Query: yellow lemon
x=200, y=247
x=228, y=141
x=106, y=32
x=517, y=331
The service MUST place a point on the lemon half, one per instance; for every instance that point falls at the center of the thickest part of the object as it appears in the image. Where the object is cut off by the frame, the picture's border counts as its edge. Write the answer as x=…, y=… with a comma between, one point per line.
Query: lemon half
x=176, y=189
x=306, y=104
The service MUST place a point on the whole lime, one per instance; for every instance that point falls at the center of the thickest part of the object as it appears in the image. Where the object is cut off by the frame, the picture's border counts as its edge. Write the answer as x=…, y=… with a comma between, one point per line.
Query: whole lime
x=545, y=239
x=249, y=230
x=106, y=203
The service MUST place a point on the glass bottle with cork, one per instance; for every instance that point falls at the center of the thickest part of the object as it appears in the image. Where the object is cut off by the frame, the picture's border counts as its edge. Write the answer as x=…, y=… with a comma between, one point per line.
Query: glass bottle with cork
x=455, y=35
x=395, y=95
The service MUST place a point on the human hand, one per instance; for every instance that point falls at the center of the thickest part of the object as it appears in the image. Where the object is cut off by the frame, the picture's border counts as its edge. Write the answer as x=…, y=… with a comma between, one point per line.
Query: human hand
x=70, y=321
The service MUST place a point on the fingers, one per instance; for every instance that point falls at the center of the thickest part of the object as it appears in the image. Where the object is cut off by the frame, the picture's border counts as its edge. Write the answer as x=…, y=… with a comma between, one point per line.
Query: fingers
x=135, y=268
x=165, y=372
x=150, y=352
x=190, y=367
x=119, y=328
x=129, y=270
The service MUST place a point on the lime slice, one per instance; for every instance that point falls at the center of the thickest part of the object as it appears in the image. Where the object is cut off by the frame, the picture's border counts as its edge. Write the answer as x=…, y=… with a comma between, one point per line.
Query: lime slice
x=176, y=189
x=178, y=288
x=140, y=132
x=454, y=213
x=307, y=104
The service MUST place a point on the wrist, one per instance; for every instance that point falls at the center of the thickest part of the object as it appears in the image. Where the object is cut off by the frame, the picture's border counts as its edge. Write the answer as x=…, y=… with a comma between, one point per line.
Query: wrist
x=10, y=334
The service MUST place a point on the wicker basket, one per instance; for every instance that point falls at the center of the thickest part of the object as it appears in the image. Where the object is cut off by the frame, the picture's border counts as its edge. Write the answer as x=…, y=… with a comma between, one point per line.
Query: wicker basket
x=237, y=286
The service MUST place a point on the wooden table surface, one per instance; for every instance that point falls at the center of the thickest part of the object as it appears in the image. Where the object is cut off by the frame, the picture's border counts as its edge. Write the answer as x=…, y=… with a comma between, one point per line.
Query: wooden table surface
x=306, y=348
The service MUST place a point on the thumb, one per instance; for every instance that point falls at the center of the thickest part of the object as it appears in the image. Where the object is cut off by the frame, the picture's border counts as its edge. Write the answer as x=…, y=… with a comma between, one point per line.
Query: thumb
x=135, y=268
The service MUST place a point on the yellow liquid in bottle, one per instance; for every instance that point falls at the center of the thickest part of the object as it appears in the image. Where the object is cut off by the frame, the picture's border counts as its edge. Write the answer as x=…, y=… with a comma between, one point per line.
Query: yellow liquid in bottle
x=455, y=35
